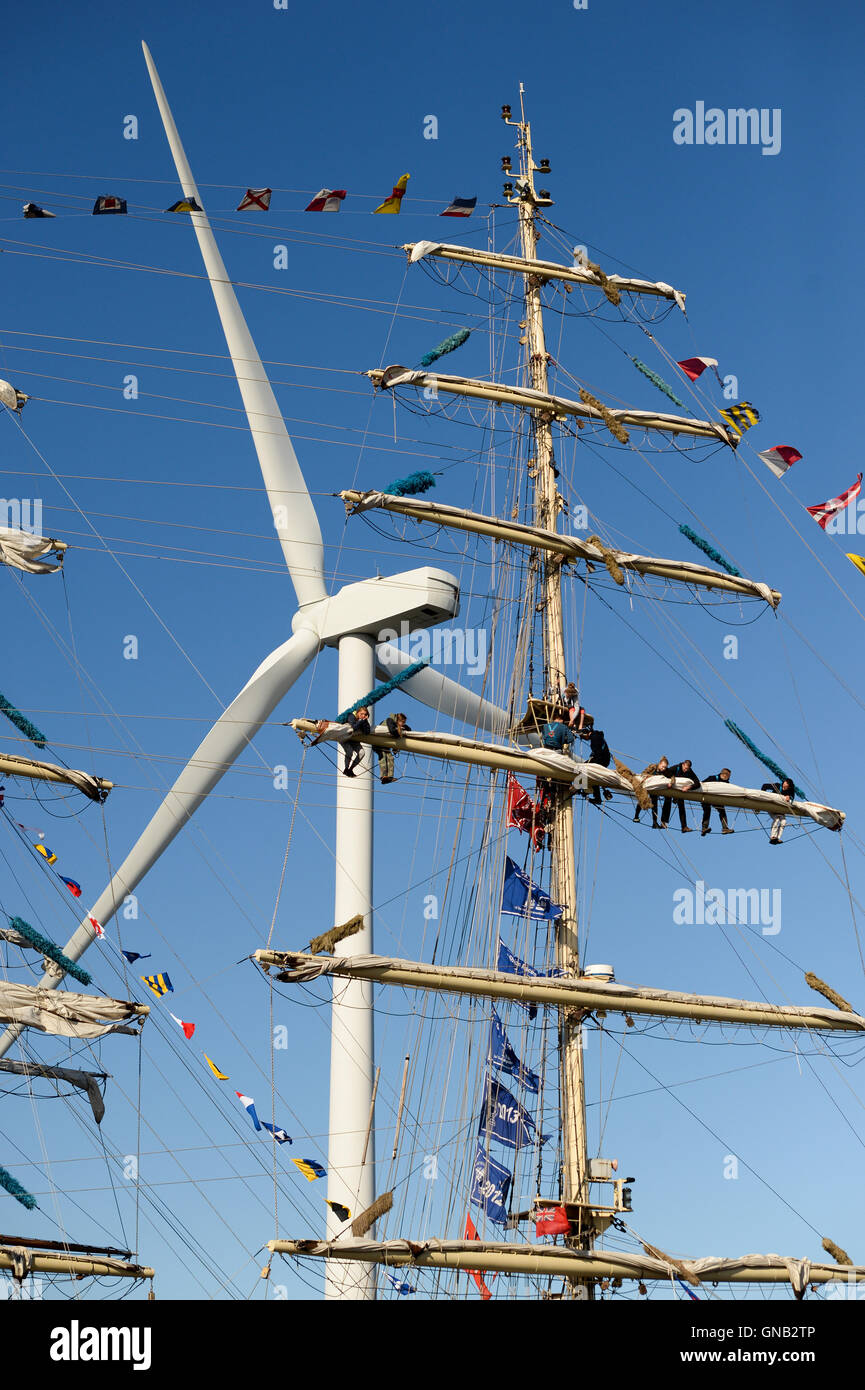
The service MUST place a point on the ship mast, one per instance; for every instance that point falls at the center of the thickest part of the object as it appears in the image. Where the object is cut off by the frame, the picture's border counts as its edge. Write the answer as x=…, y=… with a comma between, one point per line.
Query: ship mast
x=548, y=504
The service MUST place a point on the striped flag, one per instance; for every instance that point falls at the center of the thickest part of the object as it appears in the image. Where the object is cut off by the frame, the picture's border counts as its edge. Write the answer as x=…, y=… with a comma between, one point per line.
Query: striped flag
x=47, y=854
x=823, y=512
x=780, y=458
x=460, y=207
x=249, y=1106
x=158, y=984
x=326, y=200
x=741, y=417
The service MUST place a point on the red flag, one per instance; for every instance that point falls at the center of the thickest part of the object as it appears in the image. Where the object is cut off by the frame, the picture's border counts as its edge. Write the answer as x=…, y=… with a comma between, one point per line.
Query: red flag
x=74, y=888
x=96, y=927
x=520, y=807
x=188, y=1028
x=552, y=1221
x=695, y=366
x=823, y=512
x=472, y=1234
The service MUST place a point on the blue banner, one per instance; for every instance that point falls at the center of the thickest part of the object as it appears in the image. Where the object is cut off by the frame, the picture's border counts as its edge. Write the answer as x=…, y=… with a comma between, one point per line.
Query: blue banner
x=522, y=898
x=490, y=1185
x=502, y=1055
x=503, y=1118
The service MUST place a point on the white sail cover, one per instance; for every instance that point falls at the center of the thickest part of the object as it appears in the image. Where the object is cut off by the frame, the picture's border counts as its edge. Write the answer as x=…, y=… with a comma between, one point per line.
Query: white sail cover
x=84, y=1080
x=22, y=551
x=542, y=1260
x=63, y=1013
x=586, y=775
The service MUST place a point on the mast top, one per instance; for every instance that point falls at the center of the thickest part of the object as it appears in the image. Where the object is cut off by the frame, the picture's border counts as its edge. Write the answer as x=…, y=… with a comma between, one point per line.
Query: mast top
x=522, y=189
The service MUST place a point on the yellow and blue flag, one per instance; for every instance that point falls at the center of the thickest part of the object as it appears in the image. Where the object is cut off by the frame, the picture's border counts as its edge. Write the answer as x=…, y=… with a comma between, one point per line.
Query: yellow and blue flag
x=310, y=1168
x=185, y=205
x=158, y=984
x=47, y=854
x=741, y=417
x=220, y=1075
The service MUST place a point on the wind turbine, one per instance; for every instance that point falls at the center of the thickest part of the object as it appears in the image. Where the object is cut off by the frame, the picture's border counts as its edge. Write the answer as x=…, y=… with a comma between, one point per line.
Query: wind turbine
x=349, y=620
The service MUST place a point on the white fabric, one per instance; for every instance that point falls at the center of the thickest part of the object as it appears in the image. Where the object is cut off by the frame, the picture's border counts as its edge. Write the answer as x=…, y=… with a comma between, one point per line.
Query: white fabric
x=61, y=1012
x=21, y=551
x=421, y=249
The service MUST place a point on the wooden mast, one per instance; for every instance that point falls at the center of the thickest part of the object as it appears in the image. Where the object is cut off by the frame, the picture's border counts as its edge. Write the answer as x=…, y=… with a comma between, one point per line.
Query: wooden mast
x=548, y=503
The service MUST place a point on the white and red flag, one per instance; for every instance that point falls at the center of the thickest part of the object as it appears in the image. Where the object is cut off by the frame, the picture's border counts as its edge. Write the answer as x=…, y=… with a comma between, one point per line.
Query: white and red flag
x=326, y=200
x=255, y=200
x=695, y=366
x=780, y=458
x=823, y=512
x=188, y=1028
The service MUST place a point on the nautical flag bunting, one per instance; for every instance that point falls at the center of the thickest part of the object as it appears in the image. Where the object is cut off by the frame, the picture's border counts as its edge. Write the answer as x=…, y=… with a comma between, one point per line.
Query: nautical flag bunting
x=96, y=927
x=858, y=561
x=185, y=205
x=695, y=366
x=309, y=1168
x=460, y=207
x=392, y=204
x=74, y=888
x=741, y=417
x=340, y=1212
x=823, y=512
x=780, y=458
x=255, y=200
x=158, y=984
x=280, y=1135
x=220, y=1075
x=188, y=1028
x=109, y=204
x=402, y=1288
x=327, y=200
x=133, y=956
x=249, y=1106
x=47, y=854
x=34, y=210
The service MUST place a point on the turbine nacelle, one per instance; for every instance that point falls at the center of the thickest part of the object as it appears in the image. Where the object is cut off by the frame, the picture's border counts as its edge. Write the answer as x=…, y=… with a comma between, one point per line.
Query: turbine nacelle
x=419, y=598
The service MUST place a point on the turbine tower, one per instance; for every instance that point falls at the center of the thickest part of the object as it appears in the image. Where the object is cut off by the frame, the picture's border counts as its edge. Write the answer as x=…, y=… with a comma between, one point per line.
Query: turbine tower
x=349, y=620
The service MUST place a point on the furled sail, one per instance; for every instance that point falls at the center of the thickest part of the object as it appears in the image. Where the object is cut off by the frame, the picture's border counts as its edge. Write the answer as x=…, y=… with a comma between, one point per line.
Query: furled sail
x=84, y=1080
x=440, y=514
x=66, y=1014
x=22, y=551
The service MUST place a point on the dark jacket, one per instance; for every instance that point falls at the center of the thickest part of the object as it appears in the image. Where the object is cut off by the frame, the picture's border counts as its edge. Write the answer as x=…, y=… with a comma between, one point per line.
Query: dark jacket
x=599, y=752
x=676, y=771
x=393, y=729
x=716, y=777
x=360, y=726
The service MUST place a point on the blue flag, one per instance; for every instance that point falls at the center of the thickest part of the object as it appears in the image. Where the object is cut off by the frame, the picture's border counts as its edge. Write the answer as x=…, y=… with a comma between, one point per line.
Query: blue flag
x=522, y=898
x=490, y=1184
x=401, y=1288
x=502, y=1055
x=503, y=1118
x=279, y=1134
x=512, y=965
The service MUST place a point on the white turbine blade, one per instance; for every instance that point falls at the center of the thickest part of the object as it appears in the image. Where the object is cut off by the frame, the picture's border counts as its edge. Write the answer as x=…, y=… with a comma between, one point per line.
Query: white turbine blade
x=211, y=760
x=293, y=513
x=441, y=693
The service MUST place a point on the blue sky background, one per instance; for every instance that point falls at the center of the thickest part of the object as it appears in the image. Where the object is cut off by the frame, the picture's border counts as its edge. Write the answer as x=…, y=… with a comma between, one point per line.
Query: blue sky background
x=184, y=559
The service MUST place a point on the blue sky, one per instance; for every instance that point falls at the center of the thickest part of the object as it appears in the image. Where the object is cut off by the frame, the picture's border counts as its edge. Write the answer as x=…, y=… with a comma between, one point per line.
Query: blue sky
x=185, y=560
